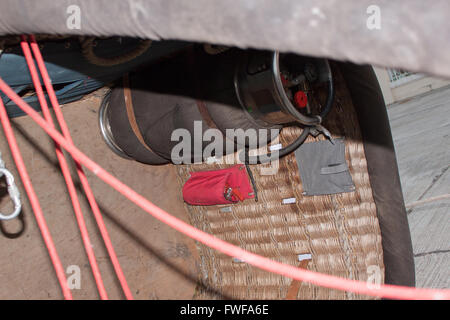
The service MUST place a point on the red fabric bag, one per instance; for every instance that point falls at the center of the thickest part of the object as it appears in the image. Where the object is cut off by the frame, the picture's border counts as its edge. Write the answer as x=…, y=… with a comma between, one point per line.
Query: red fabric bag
x=224, y=186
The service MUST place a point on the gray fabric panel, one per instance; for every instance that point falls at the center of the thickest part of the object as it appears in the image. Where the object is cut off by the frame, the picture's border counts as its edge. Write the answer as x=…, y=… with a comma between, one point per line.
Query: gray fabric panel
x=323, y=168
x=334, y=169
x=413, y=34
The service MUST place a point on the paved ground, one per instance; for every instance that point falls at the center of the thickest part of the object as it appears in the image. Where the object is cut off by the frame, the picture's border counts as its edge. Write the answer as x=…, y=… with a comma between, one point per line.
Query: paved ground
x=421, y=130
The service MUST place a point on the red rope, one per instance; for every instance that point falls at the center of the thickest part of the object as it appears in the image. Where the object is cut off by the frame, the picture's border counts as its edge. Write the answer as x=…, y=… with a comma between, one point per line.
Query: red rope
x=42, y=224
x=83, y=179
x=66, y=173
x=388, y=291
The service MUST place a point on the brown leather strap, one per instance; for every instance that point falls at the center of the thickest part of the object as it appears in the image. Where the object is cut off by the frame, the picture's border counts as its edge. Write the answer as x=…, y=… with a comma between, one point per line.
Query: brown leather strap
x=205, y=114
x=295, y=284
x=130, y=111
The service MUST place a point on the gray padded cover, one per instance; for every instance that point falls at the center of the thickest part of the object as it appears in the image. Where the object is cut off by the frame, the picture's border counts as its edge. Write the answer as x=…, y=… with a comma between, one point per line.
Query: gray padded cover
x=323, y=168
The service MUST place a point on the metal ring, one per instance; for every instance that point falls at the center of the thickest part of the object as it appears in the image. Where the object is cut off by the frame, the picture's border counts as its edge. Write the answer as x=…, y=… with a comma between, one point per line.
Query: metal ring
x=105, y=128
x=286, y=103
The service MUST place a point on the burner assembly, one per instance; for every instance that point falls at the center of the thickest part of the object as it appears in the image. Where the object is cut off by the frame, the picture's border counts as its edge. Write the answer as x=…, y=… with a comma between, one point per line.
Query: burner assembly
x=281, y=89
x=277, y=88
x=234, y=89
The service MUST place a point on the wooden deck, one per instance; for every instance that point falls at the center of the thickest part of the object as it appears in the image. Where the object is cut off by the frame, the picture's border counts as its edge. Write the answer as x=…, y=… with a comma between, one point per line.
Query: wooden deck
x=421, y=131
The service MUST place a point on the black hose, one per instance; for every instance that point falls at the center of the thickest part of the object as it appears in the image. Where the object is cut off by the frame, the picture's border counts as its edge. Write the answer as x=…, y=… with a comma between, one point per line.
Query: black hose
x=252, y=180
x=297, y=142
x=330, y=98
x=268, y=157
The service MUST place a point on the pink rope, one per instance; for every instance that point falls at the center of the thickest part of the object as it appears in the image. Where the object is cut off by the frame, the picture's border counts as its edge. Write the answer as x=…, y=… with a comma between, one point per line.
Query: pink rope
x=66, y=173
x=388, y=291
x=42, y=224
x=83, y=179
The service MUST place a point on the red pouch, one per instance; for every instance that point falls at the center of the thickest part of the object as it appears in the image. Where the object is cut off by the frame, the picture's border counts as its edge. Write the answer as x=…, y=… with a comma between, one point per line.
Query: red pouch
x=207, y=188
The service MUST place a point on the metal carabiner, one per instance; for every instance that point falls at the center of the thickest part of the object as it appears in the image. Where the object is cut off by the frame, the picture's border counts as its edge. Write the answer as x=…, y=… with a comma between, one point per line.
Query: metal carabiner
x=13, y=193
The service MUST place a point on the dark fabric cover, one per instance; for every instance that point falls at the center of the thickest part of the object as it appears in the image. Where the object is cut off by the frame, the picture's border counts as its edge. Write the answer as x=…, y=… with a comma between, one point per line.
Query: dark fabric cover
x=222, y=103
x=165, y=98
x=123, y=133
x=383, y=171
x=72, y=75
x=159, y=111
x=411, y=35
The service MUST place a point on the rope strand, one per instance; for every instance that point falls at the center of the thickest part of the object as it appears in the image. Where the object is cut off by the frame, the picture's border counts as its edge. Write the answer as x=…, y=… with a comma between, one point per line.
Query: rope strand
x=83, y=179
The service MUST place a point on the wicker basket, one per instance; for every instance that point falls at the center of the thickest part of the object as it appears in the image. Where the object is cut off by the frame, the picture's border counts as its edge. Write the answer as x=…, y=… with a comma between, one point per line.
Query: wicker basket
x=340, y=231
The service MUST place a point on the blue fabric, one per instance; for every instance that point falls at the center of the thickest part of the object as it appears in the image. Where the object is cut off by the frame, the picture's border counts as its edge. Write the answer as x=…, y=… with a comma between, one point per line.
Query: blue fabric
x=70, y=71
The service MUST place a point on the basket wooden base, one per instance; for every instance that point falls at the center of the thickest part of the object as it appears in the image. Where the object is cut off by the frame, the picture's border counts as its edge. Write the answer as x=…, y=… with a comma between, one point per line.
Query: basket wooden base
x=340, y=231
